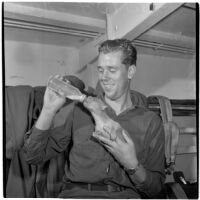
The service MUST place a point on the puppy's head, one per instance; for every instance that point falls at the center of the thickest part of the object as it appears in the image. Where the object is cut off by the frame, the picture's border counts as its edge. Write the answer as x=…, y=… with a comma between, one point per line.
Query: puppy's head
x=94, y=104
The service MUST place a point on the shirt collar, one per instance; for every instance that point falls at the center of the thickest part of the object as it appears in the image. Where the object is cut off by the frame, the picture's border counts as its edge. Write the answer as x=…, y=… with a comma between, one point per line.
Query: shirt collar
x=108, y=107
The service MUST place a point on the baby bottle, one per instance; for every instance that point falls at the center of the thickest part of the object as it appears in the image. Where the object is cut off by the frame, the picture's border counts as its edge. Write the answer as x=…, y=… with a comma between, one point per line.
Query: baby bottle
x=58, y=83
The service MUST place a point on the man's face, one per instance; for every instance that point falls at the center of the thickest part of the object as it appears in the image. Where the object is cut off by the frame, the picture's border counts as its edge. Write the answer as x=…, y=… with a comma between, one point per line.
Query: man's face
x=113, y=75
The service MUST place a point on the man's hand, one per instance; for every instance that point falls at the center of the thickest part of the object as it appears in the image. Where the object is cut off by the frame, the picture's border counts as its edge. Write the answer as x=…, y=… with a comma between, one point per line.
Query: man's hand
x=122, y=150
x=53, y=101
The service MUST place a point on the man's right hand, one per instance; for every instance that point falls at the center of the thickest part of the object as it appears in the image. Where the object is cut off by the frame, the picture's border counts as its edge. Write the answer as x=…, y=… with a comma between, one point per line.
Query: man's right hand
x=53, y=101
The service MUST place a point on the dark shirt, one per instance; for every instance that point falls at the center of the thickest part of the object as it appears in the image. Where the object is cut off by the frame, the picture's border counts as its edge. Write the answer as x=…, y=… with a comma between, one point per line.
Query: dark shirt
x=89, y=161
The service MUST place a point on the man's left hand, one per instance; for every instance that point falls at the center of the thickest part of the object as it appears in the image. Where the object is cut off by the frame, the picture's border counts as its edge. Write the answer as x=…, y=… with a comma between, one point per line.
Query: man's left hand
x=123, y=150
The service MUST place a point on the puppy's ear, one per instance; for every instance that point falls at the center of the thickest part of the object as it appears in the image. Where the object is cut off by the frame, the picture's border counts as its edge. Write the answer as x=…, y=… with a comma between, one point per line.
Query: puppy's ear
x=131, y=71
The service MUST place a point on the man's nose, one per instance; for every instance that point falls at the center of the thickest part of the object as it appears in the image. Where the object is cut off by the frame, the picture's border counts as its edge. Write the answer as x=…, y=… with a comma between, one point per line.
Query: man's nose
x=105, y=75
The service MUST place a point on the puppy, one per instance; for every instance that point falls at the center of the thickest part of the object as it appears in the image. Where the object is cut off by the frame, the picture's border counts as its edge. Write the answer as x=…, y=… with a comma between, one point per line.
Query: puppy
x=96, y=107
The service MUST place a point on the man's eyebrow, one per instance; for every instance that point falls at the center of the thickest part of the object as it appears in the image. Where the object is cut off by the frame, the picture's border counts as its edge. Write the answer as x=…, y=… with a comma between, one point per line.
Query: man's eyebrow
x=113, y=66
x=108, y=66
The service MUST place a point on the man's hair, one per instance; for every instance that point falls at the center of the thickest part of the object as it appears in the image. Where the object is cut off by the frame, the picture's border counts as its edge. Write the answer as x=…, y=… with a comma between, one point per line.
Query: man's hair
x=124, y=45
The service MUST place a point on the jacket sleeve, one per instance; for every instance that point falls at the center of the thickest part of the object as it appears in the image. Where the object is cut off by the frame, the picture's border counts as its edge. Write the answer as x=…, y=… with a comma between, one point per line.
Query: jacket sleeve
x=42, y=145
x=154, y=163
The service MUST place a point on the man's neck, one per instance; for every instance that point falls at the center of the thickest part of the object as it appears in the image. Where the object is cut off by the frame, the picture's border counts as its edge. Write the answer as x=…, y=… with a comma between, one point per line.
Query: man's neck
x=121, y=104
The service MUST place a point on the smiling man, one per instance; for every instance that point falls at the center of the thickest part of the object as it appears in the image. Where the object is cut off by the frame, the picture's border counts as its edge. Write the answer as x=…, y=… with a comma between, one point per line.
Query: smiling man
x=115, y=73
x=129, y=168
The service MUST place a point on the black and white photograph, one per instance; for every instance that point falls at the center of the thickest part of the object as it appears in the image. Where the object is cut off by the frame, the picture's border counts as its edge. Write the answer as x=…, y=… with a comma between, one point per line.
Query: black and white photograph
x=100, y=100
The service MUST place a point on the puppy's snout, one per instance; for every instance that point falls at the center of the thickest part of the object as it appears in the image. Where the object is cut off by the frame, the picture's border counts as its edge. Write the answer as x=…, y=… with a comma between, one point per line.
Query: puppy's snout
x=87, y=102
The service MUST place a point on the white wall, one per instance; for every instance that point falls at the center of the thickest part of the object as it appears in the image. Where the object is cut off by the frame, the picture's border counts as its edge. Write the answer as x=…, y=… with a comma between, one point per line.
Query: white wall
x=32, y=63
x=168, y=76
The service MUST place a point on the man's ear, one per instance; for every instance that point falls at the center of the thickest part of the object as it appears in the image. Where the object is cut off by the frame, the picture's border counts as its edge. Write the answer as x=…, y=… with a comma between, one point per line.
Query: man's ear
x=131, y=71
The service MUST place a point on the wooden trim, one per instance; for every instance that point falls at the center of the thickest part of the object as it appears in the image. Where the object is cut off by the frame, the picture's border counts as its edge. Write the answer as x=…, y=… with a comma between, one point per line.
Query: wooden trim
x=188, y=131
x=186, y=150
x=180, y=107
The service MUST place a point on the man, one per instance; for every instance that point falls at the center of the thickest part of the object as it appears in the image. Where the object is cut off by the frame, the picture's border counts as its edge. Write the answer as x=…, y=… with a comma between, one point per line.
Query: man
x=130, y=168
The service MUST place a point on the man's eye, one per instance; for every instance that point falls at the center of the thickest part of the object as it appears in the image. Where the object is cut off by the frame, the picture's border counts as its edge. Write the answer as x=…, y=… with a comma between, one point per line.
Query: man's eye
x=112, y=70
x=100, y=69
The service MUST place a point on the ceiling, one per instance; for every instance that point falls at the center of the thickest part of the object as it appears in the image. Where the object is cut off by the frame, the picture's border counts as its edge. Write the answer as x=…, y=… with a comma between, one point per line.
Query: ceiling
x=177, y=29
x=180, y=22
x=94, y=10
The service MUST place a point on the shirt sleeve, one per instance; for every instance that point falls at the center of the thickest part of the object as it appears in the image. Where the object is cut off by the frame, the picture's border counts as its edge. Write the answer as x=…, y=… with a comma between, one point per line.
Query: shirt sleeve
x=42, y=145
x=154, y=164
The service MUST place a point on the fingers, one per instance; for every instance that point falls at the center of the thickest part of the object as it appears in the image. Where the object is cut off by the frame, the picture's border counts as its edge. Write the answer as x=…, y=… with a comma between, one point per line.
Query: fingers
x=104, y=141
x=109, y=148
x=108, y=144
x=60, y=93
x=53, y=92
x=49, y=80
x=108, y=131
x=113, y=135
x=55, y=76
x=49, y=91
x=126, y=137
